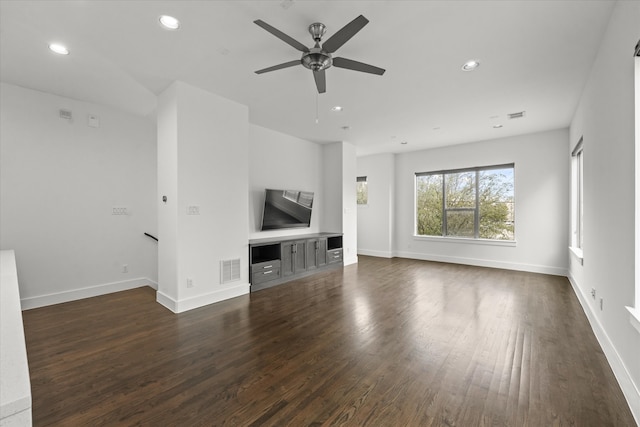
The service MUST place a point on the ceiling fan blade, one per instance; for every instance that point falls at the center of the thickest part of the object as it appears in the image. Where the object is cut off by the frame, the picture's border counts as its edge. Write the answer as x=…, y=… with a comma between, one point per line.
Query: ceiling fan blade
x=279, y=66
x=344, y=34
x=350, y=64
x=321, y=81
x=282, y=36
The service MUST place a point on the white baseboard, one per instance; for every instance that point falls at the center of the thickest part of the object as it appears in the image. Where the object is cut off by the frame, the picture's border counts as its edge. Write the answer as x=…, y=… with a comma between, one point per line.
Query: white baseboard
x=179, y=306
x=630, y=390
x=379, y=254
x=88, y=292
x=532, y=268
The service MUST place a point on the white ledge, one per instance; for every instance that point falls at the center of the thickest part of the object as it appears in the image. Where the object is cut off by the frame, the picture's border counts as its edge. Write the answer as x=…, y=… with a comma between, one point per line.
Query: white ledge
x=635, y=317
x=577, y=252
x=466, y=240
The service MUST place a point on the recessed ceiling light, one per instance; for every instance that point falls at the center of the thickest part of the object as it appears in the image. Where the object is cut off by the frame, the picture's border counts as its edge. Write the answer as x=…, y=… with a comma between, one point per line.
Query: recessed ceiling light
x=337, y=109
x=497, y=126
x=404, y=143
x=345, y=128
x=169, y=22
x=59, y=49
x=470, y=65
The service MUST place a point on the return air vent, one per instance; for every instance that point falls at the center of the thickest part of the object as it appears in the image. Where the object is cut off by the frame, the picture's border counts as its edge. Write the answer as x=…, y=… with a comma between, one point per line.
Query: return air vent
x=518, y=115
x=229, y=270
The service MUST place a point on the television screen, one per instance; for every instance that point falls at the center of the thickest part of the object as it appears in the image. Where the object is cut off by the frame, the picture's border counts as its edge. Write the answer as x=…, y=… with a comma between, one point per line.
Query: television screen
x=286, y=209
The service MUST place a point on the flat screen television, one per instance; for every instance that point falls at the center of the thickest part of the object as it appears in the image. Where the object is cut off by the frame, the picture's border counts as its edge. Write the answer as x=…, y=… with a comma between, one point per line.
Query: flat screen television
x=286, y=209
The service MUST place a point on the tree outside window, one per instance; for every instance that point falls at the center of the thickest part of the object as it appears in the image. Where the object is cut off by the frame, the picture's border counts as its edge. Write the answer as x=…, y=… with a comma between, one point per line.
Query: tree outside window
x=362, y=190
x=471, y=203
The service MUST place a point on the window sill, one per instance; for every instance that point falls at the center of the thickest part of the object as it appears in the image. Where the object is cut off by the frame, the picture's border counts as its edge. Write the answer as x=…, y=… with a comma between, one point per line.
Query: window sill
x=634, y=318
x=489, y=242
x=577, y=252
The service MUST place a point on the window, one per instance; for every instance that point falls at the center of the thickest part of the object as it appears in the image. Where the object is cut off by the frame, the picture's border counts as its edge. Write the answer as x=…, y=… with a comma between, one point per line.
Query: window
x=578, y=199
x=361, y=190
x=475, y=203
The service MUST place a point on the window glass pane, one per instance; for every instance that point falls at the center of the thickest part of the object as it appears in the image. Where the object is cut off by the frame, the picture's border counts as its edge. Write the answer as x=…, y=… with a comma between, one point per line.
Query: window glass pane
x=461, y=190
x=429, y=205
x=362, y=191
x=461, y=223
x=496, y=204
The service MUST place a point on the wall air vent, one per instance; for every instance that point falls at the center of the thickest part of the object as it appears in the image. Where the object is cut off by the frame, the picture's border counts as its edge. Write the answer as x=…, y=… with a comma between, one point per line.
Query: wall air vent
x=518, y=115
x=229, y=270
x=66, y=114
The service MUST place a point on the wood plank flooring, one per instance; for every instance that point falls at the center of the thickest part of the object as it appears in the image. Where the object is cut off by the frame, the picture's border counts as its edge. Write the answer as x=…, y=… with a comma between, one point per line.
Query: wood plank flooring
x=386, y=342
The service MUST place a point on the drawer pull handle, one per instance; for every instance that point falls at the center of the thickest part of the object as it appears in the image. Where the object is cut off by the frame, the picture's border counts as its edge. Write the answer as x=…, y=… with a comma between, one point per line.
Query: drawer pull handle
x=267, y=266
x=337, y=256
x=268, y=272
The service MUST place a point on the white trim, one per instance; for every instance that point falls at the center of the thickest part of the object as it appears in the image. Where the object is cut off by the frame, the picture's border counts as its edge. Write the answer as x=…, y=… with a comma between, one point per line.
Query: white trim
x=634, y=318
x=350, y=260
x=620, y=371
x=179, y=306
x=379, y=254
x=466, y=240
x=544, y=269
x=88, y=292
x=577, y=252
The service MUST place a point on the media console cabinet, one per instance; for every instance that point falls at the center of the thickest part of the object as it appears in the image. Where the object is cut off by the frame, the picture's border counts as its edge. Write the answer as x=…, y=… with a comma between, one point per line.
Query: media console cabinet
x=277, y=260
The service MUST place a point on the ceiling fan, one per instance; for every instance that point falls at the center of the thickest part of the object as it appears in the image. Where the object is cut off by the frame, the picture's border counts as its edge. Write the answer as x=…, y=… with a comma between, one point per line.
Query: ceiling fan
x=318, y=58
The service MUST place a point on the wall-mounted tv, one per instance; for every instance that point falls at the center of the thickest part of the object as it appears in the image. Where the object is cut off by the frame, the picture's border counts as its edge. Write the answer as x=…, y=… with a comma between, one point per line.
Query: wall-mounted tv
x=286, y=209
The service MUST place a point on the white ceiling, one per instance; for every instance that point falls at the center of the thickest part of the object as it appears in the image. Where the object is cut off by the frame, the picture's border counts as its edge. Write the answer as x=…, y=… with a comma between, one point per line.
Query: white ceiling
x=535, y=56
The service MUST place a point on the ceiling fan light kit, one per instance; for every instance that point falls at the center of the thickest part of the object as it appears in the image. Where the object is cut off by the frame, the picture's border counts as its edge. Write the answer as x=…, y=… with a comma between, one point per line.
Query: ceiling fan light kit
x=318, y=58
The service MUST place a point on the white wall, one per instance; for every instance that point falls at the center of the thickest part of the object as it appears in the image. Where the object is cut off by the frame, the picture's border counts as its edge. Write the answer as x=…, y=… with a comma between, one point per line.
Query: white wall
x=541, y=192
x=59, y=181
x=349, y=204
x=281, y=161
x=605, y=120
x=205, y=137
x=375, y=219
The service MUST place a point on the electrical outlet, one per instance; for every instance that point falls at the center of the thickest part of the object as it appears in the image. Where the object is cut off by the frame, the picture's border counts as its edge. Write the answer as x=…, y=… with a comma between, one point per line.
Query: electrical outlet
x=193, y=210
x=189, y=282
x=125, y=268
x=601, y=303
x=593, y=293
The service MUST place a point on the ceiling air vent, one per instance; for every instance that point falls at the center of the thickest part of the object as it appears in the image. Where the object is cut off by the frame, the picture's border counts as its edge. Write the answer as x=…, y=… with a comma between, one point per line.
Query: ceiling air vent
x=518, y=115
x=229, y=270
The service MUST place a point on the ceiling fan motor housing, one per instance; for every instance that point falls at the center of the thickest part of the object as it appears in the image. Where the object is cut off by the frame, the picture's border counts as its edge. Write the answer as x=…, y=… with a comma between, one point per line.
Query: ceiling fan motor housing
x=316, y=59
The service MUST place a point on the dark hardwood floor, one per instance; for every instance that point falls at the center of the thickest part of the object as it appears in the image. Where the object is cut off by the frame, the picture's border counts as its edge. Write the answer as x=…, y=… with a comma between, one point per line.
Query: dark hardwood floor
x=387, y=342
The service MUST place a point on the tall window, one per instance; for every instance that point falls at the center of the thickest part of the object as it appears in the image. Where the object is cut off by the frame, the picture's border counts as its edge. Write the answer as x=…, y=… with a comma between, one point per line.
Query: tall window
x=473, y=203
x=362, y=191
x=578, y=199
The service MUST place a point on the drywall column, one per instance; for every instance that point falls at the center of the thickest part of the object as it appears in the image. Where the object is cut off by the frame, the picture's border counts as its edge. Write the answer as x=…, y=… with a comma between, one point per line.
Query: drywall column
x=203, y=173
x=339, y=201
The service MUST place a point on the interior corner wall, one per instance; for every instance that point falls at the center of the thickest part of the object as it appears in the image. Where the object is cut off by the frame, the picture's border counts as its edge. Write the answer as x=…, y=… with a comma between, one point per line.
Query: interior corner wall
x=605, y=120
x=377, y=214
x=349, y=204
x=203, y=149
x=59, y=182
x=339, y=182
x=541, y=206
x=281, y=161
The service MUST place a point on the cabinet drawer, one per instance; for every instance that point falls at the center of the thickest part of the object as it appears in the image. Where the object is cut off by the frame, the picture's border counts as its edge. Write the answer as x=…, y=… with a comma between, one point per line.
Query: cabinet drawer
x=265, y=276
x=265, y=266
x=334, y=255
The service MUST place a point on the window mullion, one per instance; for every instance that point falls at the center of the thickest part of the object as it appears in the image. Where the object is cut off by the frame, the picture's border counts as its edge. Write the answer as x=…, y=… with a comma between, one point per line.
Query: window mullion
x=444, y=204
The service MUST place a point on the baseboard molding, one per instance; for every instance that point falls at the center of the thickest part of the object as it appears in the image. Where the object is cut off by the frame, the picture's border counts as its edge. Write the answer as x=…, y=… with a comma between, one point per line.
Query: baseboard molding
x=179, y=306
x=379, y=254
x=88, y=292
x=532, y=268
x=630, y=390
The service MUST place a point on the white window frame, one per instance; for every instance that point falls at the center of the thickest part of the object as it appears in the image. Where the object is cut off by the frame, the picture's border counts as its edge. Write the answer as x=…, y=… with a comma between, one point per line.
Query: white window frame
x=577, y=208
x=475, y=209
